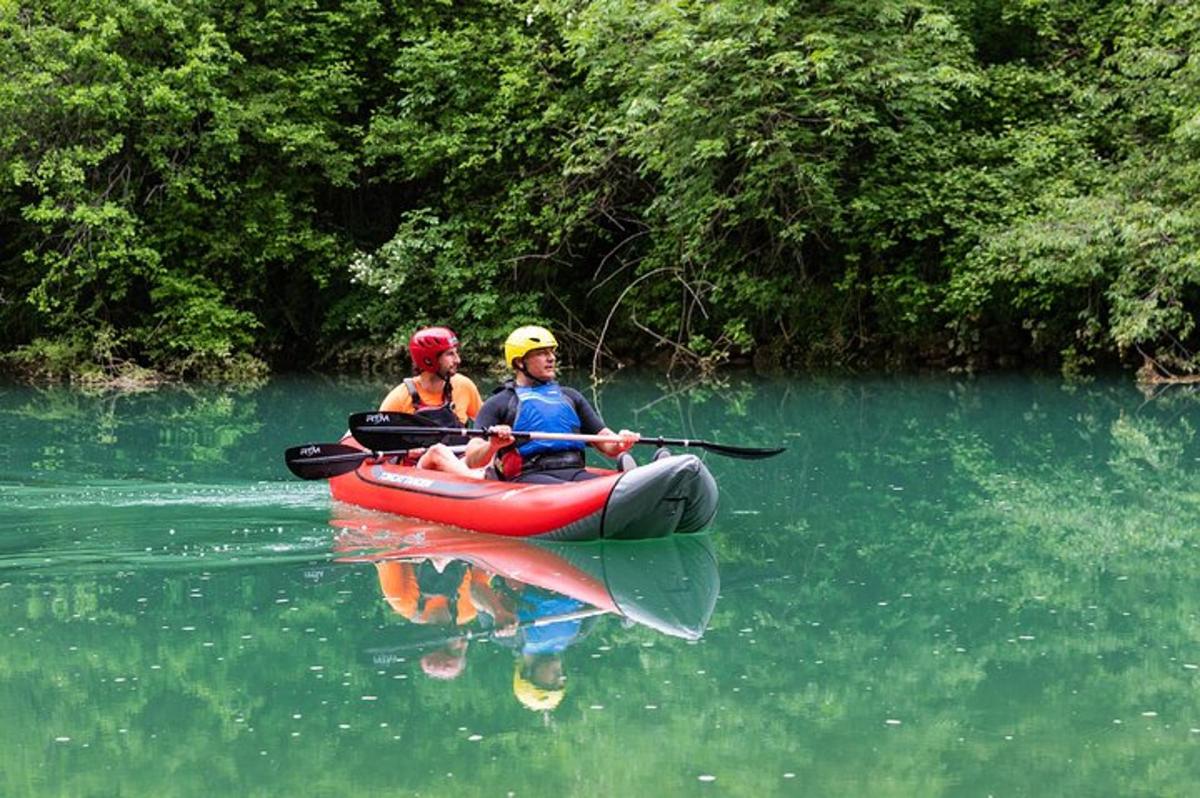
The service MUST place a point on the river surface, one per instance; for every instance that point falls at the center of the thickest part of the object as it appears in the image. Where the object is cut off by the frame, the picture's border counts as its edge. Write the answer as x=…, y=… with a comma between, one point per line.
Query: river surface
x=945, y=587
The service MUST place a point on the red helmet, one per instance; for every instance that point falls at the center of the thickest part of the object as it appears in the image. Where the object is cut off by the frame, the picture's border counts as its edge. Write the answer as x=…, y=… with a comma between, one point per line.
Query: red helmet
x=429, y=342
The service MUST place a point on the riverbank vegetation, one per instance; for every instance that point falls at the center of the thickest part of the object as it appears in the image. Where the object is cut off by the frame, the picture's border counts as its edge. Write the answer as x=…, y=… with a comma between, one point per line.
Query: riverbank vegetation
x=197, y=189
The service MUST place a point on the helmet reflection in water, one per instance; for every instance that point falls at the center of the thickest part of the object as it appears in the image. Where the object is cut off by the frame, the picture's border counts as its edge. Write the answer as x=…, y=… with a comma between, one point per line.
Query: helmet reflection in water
x=447, y=662
x=538, y=682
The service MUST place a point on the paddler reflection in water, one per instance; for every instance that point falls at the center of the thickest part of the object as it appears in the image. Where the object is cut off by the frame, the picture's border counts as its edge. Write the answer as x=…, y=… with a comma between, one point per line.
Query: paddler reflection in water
x=441, y=592
x=532, y=402
x=539, y=682
x=453, y=593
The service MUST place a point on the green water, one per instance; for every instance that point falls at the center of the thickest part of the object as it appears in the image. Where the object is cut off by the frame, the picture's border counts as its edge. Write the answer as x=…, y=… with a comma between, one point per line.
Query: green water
x=983, y=587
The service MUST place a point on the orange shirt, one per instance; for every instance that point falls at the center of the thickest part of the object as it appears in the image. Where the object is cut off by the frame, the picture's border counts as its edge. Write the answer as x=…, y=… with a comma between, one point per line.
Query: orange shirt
x=464, y=393
x=398, y=581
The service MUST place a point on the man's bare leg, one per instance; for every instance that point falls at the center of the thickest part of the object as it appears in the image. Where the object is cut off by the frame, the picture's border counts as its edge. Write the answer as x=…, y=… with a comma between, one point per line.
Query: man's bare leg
x=440, y=457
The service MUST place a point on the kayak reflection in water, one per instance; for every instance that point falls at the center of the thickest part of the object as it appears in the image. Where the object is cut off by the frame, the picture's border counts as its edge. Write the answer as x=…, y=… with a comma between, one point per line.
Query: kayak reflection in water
x=454, y=593
x=439, y=592
x=536, y=599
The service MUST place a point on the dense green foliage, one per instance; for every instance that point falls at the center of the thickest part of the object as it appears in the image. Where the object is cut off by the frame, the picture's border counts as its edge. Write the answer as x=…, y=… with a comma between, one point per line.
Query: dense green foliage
x=199, y=186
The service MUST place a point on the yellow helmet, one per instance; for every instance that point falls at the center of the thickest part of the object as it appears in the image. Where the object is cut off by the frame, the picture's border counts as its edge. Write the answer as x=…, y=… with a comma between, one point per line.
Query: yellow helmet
x=531, y=696
x=523, y=340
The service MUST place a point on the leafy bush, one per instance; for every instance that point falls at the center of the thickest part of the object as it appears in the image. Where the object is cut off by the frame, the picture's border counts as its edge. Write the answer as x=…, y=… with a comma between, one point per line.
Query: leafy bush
x=961, y=183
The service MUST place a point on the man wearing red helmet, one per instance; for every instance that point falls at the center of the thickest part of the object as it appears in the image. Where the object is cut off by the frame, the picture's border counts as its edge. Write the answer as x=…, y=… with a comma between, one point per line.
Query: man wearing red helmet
x=436, y=391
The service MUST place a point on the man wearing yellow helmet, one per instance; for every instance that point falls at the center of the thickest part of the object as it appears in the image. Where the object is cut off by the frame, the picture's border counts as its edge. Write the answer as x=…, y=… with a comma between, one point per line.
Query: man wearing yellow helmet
x=534, y=402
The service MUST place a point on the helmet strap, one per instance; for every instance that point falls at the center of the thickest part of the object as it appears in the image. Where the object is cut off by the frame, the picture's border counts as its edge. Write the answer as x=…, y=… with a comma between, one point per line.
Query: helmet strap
x=434, y=375
x=521, y=368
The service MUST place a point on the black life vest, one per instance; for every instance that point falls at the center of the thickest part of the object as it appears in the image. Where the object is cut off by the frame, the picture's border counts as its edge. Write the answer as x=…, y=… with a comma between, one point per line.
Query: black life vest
x=445, y=583
x=442, y=415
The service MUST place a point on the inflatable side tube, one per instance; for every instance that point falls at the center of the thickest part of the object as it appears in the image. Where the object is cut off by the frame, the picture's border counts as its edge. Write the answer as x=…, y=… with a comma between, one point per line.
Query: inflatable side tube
x=674, y=494
x=669, y=584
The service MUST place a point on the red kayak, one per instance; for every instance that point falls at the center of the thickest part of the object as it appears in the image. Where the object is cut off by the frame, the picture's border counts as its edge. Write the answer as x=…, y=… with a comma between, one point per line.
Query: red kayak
x=672, y=494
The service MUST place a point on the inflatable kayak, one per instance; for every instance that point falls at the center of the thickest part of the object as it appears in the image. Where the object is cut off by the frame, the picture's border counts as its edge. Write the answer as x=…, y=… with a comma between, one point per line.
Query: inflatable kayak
x=671, y=494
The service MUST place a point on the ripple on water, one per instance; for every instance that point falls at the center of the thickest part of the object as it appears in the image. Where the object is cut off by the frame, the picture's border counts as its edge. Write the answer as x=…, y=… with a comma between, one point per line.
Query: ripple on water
x=99, y=527
x=165, y=494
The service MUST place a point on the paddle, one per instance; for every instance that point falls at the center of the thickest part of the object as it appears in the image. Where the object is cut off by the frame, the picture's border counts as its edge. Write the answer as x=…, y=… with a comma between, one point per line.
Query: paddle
x=379, y=430
x=326, y=460
x=383, y=656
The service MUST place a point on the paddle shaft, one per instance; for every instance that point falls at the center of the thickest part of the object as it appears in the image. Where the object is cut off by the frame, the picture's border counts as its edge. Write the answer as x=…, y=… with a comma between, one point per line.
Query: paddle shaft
x=579, y=436
x=368, y=427
x=352, y=457
x=416, y=431
x=564, y=617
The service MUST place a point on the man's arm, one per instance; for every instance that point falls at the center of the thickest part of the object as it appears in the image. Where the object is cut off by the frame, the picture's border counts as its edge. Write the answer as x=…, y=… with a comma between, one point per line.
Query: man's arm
x=617, y=448
x=480, y=451
x=590, y=423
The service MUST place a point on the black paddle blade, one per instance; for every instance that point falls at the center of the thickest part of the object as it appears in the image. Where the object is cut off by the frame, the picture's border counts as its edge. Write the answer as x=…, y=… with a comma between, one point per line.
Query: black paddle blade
x=386, y=430
x=389, y=431
x=406, y=419
x=741, y=452
x=323, y=460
